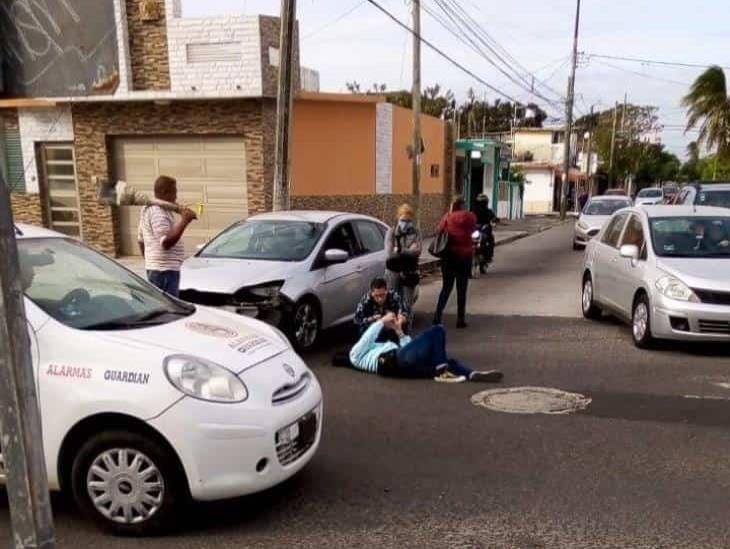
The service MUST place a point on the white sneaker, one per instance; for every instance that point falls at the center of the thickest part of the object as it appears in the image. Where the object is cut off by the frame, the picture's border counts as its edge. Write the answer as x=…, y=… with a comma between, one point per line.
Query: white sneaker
x=448, y=377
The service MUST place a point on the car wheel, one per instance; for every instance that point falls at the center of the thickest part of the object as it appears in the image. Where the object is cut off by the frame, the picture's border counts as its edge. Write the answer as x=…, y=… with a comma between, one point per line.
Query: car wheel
x=305, y=324
x=591, y=311
x=641, y=323
x=128, y=484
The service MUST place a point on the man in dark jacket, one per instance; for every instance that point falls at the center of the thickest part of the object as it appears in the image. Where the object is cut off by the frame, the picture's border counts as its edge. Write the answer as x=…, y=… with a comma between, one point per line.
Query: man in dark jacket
x=374, y=305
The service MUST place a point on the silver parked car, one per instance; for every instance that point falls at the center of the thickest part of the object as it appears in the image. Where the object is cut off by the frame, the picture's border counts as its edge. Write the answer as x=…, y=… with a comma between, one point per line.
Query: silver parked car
x=649, y=196
x=303, y=270
x=596, y=212
x=664, y=269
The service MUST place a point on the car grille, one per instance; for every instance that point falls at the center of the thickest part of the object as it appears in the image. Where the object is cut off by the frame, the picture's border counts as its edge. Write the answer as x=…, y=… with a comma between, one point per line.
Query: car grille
x=290, y=391
x=205, y=298
x=290, y=451
x=720, y=327
x=715, y=298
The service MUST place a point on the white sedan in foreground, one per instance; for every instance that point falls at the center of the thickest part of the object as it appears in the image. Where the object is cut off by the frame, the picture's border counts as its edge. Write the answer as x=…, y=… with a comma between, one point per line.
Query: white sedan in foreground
x=664, y=269
x=147, y=401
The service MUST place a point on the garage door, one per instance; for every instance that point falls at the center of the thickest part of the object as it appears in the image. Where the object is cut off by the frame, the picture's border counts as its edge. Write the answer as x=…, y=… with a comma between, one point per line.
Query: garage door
x=209, y=170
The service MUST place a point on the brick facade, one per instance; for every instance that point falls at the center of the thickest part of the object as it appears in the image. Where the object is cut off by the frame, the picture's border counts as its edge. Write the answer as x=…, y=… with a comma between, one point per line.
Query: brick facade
x=96, y=125
x=148, y=47
x=27, y=208
x=269, y=27
x=383, y=206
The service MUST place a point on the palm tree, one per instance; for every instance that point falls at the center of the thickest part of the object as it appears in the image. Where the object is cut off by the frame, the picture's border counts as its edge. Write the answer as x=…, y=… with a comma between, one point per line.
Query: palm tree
x=708, y=108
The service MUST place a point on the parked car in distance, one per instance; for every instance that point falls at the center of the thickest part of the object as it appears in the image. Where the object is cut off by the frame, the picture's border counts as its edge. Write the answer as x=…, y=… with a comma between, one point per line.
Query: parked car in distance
x=665, y=270
x=670, y=191
x=705, y=194
x=649, y=196
x=596, y=212
x=616, y=192
x=302, y=270
x=147, y=401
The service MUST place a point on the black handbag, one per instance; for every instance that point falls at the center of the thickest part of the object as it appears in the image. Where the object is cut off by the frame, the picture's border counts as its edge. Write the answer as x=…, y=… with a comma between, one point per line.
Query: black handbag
x=439, y=246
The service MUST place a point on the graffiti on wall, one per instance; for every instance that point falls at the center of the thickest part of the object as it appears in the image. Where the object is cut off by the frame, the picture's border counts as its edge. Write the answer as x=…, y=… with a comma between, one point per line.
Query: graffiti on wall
x=56, y=48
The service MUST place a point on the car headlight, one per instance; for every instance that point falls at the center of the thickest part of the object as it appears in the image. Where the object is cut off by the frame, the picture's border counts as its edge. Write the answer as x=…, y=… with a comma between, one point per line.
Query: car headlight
x=673, y=288
x=205, y=380
x=268, y=291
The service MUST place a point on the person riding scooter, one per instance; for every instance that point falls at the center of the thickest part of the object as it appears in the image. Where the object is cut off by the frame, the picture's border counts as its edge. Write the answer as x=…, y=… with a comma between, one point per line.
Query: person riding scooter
x=485, y=218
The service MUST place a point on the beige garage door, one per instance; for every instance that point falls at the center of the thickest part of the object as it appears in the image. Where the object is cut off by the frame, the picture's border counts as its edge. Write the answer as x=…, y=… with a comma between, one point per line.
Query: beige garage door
x=209, y=170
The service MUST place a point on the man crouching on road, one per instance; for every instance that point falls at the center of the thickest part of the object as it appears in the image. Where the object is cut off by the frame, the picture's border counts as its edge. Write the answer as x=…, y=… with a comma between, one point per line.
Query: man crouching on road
x=375, y=304
x=422, y=357
x=160, y=237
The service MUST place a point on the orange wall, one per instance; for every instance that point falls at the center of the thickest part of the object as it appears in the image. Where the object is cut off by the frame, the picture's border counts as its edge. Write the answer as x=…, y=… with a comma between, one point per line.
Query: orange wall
x=333, y=150
x=432, y=131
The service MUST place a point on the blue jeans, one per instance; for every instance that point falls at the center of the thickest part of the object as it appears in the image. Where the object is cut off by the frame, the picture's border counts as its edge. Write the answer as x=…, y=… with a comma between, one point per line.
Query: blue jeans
x=425, y=353
x=167, y=281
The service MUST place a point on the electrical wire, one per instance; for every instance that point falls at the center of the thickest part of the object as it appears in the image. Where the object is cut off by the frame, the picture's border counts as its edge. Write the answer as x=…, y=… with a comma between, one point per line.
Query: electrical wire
x=653, y=62
x=441, y=53
x=334, y=21
x=643, y=74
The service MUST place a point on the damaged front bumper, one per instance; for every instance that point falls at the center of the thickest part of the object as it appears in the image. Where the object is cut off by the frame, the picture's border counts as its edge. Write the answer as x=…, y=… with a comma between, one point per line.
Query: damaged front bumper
x=273, y=309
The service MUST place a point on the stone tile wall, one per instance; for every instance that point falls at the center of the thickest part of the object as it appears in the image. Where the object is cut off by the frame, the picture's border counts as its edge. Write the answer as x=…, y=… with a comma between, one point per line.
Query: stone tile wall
x=148, y=48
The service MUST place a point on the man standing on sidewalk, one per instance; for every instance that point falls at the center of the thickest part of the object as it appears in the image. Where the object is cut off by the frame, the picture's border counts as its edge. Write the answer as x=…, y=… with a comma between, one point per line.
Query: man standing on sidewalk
x=159, y=238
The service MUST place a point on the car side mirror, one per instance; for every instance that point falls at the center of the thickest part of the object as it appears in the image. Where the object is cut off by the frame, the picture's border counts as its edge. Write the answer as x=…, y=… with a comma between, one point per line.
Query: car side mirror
x=630, y=251
x=336, y=255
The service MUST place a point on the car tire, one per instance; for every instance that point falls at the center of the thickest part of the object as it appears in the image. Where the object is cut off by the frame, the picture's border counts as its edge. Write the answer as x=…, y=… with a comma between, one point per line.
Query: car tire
x=591, y=311
x=150, y=484
x=641, y=323
x=305, y=325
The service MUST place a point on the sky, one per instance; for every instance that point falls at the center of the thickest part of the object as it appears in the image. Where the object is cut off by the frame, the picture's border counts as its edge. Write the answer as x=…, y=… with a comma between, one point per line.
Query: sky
x=349, y=40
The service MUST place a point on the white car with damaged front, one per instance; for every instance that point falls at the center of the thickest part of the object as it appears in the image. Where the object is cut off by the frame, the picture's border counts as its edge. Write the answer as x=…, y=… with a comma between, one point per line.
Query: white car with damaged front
x=665, y=270
x=147, y=401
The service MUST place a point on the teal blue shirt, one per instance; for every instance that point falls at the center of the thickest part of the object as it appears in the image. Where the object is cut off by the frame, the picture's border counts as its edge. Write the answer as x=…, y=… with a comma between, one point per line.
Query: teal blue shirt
x=364, y=355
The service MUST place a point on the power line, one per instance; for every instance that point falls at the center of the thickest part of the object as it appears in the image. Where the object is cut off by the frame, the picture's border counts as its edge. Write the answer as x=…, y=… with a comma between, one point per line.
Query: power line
x=654, y=62
x=463, y=21
x=474, y=46
x=442, y=53
x=333, y=21
x=644, y=75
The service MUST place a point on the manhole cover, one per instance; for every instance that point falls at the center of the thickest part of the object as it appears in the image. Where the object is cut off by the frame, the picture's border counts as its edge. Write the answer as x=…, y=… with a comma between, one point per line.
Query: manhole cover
x=531, y=400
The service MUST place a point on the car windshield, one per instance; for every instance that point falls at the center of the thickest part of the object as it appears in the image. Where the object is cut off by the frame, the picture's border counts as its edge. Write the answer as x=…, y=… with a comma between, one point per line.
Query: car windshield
x=714, y=198
x=272, y=240
x=605, y=207
x=86, y=290
x=691, y=236
x=649, y=193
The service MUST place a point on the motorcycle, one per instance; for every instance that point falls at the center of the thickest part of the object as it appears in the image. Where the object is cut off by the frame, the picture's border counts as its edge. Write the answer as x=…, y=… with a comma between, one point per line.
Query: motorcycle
x=483, y=243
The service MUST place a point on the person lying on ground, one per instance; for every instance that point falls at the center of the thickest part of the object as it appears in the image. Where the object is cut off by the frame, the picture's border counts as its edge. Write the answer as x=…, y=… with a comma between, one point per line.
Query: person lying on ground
x=375, y=304
x=421, y=357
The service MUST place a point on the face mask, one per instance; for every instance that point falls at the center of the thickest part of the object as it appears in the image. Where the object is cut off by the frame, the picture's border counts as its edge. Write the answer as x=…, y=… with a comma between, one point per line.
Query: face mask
x=405, y=224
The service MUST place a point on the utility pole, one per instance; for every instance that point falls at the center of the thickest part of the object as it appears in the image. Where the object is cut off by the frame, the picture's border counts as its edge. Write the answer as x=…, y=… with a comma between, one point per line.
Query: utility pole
x=589, y=174
x=417, y=110
x=613, y=146
x=284, y=103
x=20, y=421
x=623, y=113
x=569, y=119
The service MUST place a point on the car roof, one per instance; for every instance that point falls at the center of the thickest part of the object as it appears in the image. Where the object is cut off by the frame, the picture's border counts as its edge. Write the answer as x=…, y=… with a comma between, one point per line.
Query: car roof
x=611, y=197
x=23, y=231
x=311, y=216
x=684, y=211
x=709, y=186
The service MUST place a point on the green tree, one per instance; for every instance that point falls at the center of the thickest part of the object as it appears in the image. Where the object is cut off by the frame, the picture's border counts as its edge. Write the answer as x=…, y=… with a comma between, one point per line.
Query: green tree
x=708, y=109
x=690, y=169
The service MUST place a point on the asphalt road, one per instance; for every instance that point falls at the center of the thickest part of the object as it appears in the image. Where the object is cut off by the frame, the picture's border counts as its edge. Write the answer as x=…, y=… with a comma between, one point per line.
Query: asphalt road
x=415, y=464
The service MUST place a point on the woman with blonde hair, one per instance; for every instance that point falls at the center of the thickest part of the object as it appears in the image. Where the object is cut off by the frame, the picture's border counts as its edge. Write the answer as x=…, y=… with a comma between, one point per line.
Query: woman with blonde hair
x=403, y=246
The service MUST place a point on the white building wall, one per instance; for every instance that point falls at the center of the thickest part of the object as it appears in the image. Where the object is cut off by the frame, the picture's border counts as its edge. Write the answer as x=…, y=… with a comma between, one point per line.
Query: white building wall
x=231, y=62
x=384, y=148
x=538, y=196
x=125, y=62
x=41, y=125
